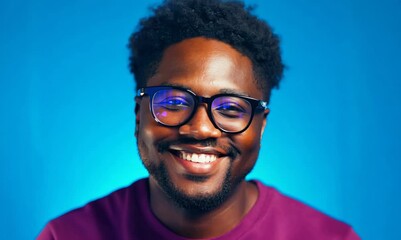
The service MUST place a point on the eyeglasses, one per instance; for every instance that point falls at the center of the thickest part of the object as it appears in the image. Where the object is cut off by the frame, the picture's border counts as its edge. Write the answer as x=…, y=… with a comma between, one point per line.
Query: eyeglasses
x=175, y=106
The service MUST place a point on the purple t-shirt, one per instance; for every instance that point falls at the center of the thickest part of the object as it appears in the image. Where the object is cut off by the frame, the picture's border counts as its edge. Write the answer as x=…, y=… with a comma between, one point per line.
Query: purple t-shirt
x=125, y=214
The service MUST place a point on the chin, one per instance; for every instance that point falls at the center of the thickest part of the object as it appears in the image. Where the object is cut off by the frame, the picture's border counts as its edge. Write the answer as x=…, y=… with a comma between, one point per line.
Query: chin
x=199, y=198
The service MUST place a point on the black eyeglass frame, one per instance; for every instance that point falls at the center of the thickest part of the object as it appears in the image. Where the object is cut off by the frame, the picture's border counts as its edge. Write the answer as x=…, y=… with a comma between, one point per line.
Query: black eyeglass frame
x=257, y=105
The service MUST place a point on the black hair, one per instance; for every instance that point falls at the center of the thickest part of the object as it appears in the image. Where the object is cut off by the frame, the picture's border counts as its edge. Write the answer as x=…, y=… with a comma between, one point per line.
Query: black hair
x=230, y=22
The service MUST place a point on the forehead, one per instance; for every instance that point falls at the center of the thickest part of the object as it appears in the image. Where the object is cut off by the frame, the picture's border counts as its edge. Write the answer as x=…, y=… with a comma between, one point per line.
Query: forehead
x=207, y=67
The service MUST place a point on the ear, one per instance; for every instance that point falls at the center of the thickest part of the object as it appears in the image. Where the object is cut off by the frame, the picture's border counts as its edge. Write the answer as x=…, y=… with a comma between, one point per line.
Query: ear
x=137, y=115
x=265, y=113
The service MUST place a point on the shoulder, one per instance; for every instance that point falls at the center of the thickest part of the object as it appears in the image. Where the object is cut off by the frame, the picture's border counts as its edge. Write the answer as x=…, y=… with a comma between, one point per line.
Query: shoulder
x=292, y=217
x=99, y=217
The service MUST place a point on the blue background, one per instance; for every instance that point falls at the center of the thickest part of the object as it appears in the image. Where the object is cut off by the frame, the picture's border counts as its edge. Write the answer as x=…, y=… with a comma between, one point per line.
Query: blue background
x=332, y=140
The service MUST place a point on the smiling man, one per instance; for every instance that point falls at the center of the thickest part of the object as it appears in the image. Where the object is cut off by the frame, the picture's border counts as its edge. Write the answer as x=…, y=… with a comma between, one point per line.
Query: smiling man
x=204, y=71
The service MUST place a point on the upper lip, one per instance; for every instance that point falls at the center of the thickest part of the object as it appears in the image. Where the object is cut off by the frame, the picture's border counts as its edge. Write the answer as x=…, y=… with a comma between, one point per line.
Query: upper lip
x=198, y=149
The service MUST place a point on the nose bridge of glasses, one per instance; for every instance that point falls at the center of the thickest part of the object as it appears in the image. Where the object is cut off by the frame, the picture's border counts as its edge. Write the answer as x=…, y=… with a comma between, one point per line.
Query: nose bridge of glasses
x=201, y=120
x=206, y=100
x=202, y=105
x=206, y=103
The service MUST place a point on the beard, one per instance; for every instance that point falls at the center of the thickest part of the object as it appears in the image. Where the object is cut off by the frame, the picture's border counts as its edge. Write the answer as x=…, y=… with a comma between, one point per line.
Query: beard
x=199, y=203
x=196, y=204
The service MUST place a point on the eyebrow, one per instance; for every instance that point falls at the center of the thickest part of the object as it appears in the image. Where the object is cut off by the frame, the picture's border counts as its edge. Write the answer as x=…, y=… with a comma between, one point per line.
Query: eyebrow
x=234, y=91
x=175, y=85
x=221, y=91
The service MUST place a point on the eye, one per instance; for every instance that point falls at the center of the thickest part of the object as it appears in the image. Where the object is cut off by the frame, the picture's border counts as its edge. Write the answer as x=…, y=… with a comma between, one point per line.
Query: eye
x=230, y=110
x=174, y=103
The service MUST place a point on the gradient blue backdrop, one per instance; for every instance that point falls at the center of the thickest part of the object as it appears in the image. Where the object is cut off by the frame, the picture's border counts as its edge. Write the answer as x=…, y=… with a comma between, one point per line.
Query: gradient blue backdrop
x=332, y=140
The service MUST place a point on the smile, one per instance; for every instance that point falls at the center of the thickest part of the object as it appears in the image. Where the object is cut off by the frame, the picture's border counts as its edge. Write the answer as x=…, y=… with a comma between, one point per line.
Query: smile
x=197, y=158
x=194, y=161
x=200, y=156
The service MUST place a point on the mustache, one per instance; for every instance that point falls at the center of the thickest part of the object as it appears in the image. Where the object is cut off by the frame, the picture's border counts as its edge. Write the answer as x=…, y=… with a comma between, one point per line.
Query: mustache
x=231, y=151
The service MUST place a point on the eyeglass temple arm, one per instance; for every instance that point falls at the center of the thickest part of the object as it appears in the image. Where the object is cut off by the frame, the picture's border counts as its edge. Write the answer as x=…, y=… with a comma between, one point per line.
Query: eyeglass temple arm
x=140, y=92
x=262, y=105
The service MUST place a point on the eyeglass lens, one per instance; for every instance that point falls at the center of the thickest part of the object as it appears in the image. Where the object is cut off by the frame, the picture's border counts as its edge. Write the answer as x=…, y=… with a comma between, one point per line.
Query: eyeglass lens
x=173, y=107
x=230, y=113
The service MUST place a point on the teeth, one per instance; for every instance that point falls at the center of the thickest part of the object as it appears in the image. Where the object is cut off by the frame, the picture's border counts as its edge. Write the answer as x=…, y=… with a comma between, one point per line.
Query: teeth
x=198, y=158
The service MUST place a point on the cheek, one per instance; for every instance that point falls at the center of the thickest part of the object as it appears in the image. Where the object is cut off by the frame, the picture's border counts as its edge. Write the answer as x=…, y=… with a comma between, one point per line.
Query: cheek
x=249, y=144
x=146, y=135
x=145, y=128
x=150, y=133
x=250, y=139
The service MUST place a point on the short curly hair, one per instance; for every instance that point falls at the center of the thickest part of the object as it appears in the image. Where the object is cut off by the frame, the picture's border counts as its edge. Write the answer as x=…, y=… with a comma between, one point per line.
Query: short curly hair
x=230, y=22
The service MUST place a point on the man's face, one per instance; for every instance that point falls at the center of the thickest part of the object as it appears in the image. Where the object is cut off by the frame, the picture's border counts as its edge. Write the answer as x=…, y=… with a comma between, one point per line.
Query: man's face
x=207, y=67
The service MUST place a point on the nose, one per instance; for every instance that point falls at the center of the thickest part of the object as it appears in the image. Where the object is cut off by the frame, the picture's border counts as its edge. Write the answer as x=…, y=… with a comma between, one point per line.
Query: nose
x=200, y=126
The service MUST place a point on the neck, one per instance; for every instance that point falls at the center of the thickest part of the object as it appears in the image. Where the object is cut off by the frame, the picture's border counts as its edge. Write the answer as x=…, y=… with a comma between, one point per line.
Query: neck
x=209, y=224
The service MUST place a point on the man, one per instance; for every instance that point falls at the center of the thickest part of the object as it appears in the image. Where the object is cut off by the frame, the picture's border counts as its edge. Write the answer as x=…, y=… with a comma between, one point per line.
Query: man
x=204, y=70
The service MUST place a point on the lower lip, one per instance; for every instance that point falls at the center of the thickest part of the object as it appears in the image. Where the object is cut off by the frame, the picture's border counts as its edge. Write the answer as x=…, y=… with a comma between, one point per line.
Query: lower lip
x=194, y=168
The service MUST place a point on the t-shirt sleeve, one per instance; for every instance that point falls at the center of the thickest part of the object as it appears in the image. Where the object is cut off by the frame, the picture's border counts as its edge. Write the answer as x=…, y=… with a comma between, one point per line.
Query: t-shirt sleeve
x=46, y=233
x=352, y=235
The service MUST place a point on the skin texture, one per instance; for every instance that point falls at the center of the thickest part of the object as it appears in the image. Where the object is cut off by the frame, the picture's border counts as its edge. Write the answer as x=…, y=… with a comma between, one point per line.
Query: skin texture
x=216, y=196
